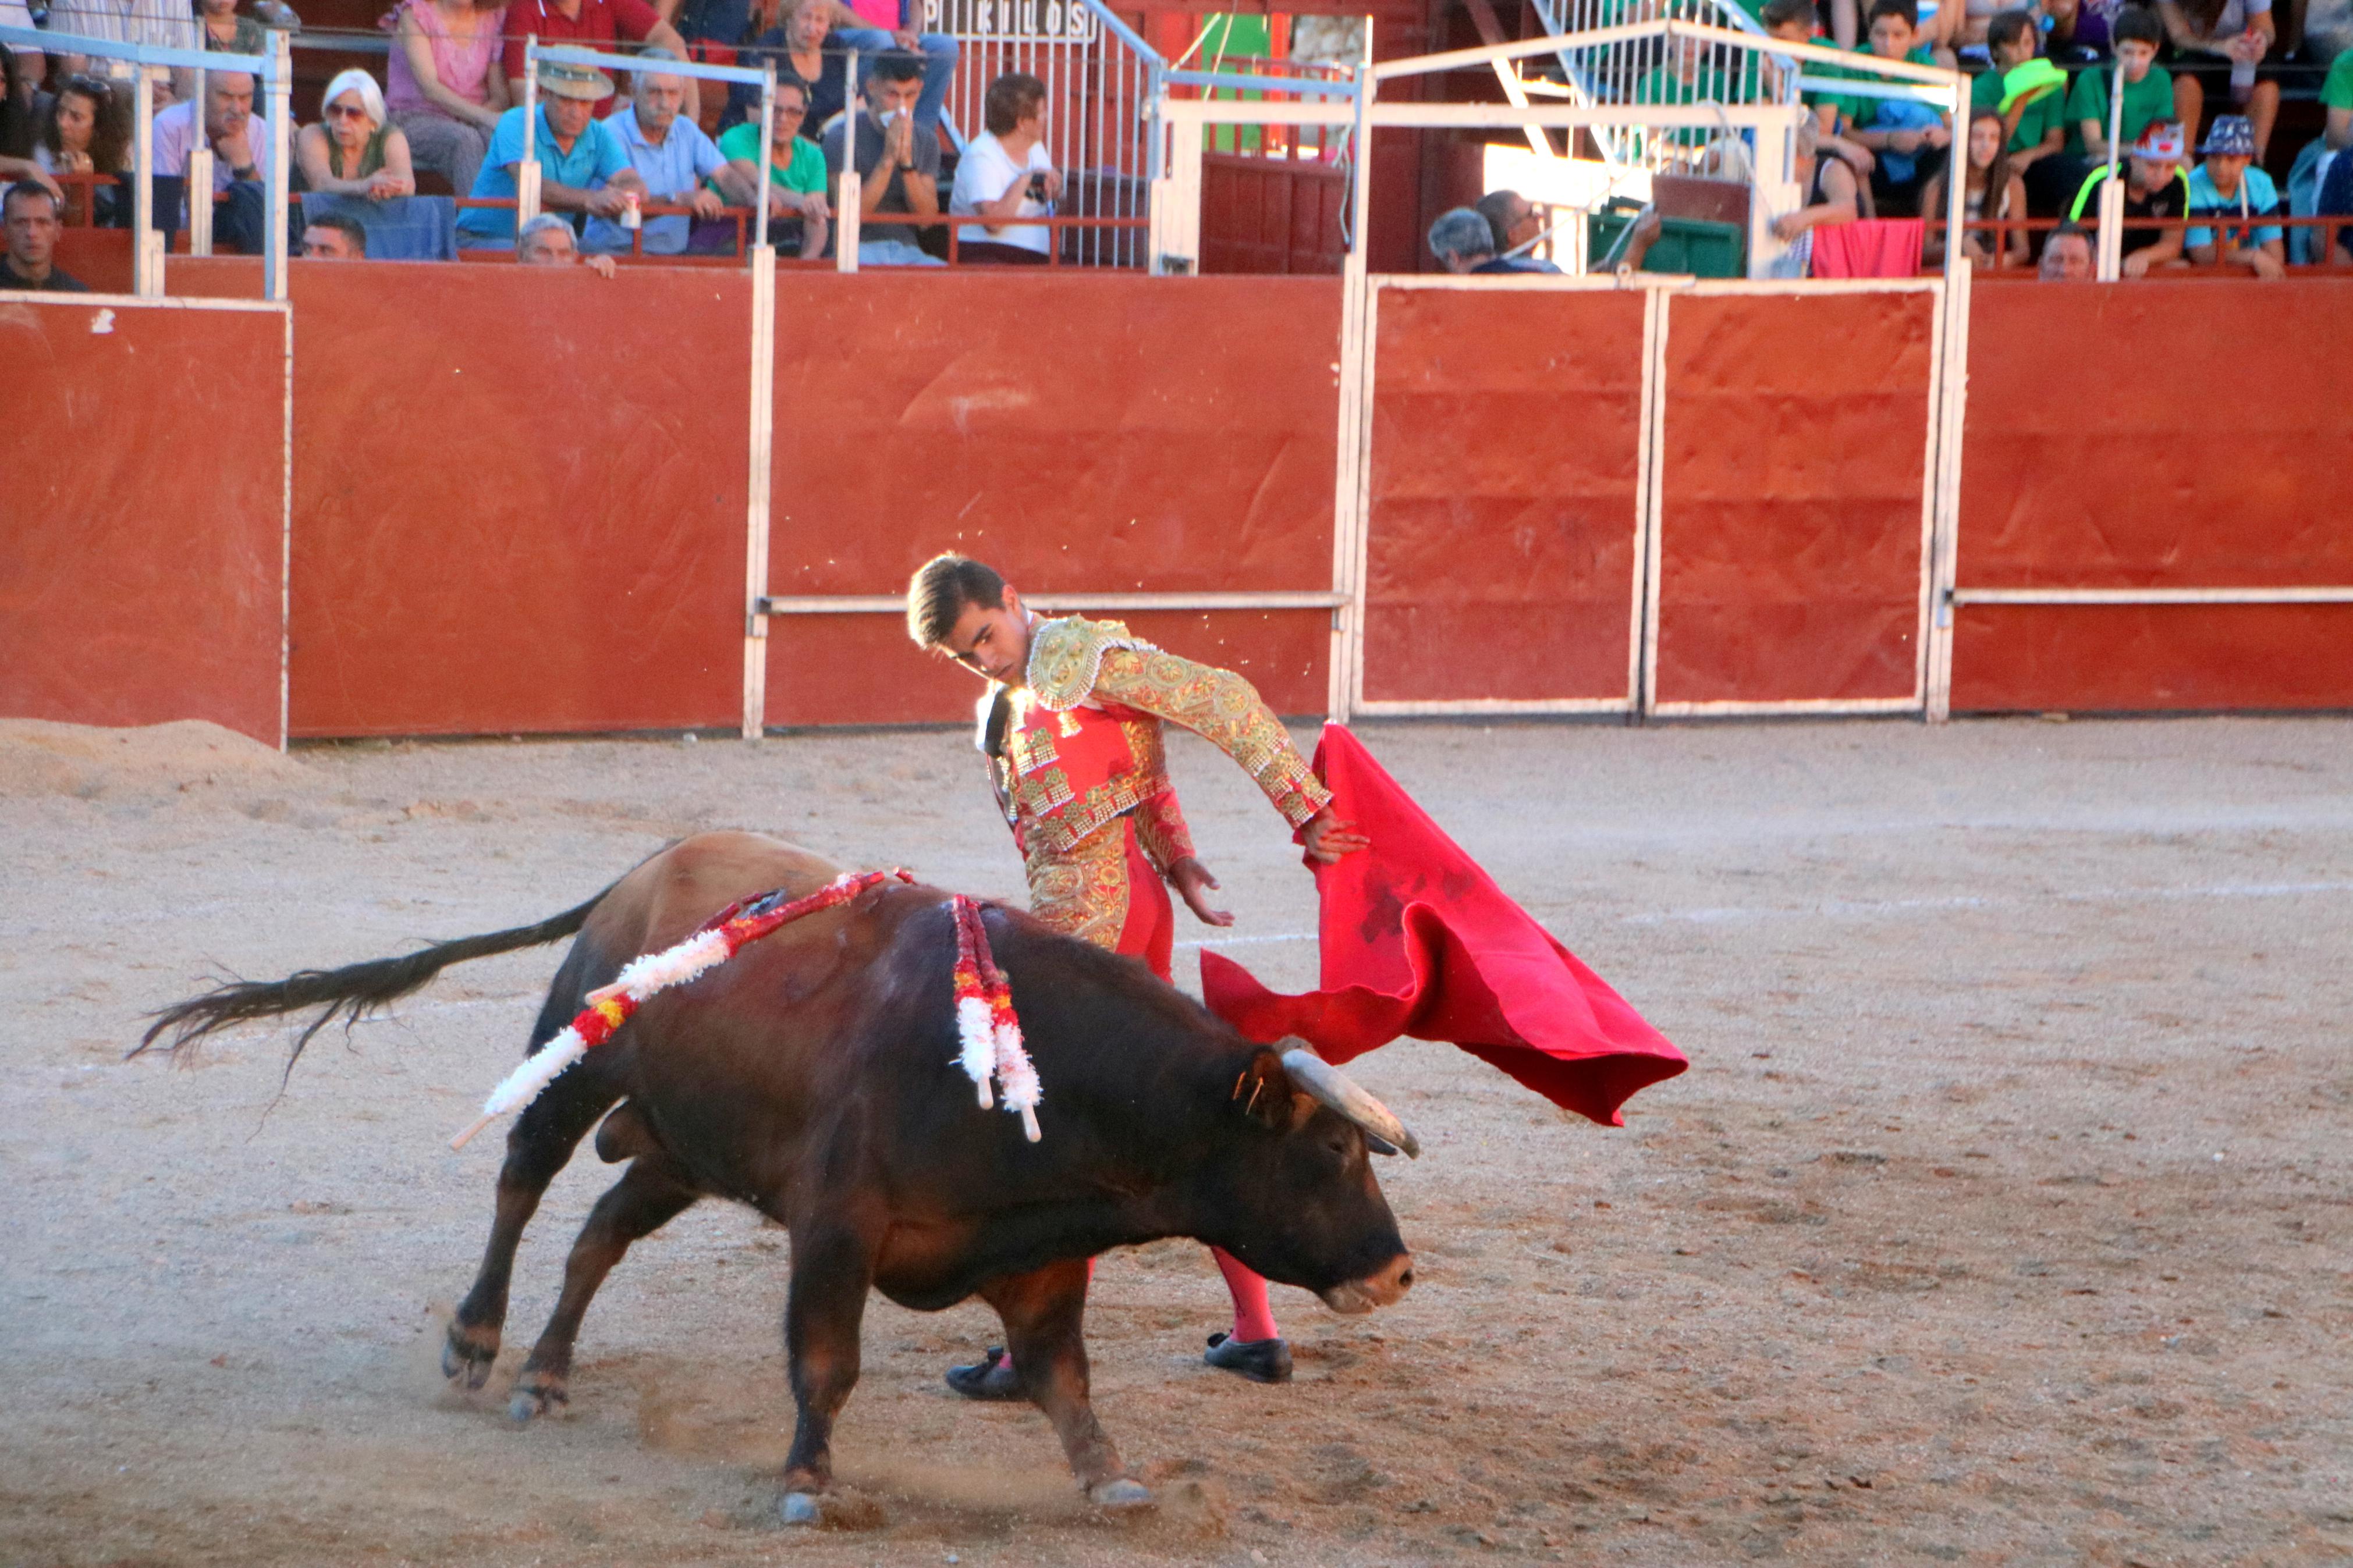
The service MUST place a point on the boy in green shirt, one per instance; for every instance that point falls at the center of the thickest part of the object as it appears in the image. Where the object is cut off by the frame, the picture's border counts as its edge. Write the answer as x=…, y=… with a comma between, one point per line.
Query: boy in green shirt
x=1908, y=138
x=796, y=167
x=2147, y=88
x=2037, y=121
x=2030, y=96
x=1792, y=22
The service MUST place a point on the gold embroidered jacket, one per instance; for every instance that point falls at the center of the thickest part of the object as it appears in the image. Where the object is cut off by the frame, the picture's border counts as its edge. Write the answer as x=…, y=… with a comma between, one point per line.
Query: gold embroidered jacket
x=1080, y=746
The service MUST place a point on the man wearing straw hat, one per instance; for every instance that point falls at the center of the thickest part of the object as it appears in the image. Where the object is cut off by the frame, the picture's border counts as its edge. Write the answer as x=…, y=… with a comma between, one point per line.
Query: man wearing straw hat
x=582, y=168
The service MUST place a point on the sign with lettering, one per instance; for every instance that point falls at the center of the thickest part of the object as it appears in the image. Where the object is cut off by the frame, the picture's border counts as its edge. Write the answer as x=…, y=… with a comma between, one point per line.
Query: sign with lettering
x=1026, y=21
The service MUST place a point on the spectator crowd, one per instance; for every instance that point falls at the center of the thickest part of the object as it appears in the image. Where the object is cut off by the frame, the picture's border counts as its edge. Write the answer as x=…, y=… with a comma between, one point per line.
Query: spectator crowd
x=2052, y=80
x=2191, y=90
x=659, y=162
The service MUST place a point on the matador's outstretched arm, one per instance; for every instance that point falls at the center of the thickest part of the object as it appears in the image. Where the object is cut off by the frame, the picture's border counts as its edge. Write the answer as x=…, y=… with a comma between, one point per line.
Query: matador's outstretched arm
x=1226, y=711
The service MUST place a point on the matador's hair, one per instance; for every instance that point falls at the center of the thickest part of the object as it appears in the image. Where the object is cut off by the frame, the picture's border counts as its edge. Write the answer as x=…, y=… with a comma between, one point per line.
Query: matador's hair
x=939, y=591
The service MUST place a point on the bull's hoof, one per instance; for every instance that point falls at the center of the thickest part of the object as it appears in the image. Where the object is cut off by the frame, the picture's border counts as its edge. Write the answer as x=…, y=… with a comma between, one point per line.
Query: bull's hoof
x=466, y=1356
x=535, y=1397
x=801, y=1509
x=1261, y=1361
x=992, y=1377
x=1119, y=1495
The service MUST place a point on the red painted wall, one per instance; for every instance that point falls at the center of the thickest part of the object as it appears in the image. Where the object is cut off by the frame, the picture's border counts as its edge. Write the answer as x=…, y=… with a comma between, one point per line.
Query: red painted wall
x=519, y=499
x=1790, y=512
x=1081, y=433
x=143, y=543
x=1500, y=545
x=2173, y=433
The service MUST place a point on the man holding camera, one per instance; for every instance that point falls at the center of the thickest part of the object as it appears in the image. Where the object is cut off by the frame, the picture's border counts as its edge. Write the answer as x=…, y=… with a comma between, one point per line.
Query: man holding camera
x=898, y=165
x=1006, y=173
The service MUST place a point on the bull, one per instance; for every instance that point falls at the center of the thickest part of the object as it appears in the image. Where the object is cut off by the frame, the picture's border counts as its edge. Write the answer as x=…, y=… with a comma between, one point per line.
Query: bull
x=814, y=1079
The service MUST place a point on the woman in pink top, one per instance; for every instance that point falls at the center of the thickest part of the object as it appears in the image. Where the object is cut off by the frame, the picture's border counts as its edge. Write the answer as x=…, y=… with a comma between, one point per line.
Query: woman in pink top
x=442, y=88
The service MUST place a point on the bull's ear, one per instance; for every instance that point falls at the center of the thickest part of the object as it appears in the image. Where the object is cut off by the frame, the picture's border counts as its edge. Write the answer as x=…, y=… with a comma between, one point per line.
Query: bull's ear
x=1263, y=1092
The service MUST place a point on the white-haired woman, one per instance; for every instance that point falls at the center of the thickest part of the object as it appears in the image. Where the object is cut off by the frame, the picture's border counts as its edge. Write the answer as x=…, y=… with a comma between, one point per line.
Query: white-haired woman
x=356, y=150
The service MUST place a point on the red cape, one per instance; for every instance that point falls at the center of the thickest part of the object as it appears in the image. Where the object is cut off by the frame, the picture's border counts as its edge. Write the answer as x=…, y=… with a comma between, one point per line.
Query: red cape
x=1419, y=940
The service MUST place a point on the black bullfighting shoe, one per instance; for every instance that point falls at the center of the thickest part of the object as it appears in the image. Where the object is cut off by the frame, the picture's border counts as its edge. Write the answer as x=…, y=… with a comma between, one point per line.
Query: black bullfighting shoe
x=991, y=1378
x=1261, y=1361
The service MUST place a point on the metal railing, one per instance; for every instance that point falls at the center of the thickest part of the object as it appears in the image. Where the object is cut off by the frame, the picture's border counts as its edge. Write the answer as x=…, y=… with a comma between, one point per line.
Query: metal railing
x=1671, y=70
x=1099, y=76
x=273, y=71
x=2003, y=230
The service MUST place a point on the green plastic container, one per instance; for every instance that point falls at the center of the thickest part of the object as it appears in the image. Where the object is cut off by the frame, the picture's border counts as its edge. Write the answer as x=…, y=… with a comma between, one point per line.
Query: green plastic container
x=1697, y=246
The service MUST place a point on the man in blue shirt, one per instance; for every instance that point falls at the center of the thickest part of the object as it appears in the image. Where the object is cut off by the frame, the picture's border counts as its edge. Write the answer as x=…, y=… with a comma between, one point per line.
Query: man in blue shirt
x=582, y=168
x=673, y=157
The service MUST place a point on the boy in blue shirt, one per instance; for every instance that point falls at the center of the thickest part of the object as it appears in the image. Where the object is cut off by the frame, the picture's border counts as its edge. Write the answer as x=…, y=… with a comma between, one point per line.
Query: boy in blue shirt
x=2228, y=184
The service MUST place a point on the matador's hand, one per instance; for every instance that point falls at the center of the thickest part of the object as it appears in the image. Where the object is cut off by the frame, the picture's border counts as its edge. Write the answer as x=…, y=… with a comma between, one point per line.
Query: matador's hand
x=1329, y=837
x=1193, y=885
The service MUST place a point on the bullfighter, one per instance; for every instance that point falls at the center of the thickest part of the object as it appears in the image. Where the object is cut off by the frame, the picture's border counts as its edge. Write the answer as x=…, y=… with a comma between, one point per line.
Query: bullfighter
x=1070, y=728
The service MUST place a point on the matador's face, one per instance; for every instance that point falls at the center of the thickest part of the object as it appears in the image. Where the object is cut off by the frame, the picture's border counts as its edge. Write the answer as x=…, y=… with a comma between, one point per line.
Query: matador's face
x=993, y=639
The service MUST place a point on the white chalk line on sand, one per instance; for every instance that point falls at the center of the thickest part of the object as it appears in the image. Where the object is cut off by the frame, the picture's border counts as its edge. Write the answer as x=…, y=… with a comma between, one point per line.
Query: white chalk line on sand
x=1851, y=908
x=1830, y=910
x=1835, y=908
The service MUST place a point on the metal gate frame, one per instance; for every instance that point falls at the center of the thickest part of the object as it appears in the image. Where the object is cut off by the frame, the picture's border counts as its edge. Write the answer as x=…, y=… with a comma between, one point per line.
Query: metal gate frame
x=1939, y=499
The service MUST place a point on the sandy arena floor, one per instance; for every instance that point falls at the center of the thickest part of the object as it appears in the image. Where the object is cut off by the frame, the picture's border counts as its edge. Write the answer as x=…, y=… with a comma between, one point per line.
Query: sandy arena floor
x=2002, y=1217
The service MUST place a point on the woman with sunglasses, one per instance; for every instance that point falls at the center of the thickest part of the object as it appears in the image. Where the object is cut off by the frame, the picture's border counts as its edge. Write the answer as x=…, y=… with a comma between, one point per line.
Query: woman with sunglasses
x=356, y=150
x=796, y=167
x=84, y=133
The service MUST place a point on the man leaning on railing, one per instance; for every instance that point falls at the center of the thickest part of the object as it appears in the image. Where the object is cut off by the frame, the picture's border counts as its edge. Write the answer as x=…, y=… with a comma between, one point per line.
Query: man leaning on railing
x=582, y=165
x=797, y=183
x=673, y=157
x=240, y=143
x=548, y=241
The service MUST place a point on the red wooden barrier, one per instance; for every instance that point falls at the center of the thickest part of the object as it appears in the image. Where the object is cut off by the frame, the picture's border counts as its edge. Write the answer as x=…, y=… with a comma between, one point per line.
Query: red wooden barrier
x=1081, y=433
x=2165, y=433
x=1499, y=539
x=142, y=555
x=519, y=499
x=100, y=257
x=1267, y=214
x=1791, y=498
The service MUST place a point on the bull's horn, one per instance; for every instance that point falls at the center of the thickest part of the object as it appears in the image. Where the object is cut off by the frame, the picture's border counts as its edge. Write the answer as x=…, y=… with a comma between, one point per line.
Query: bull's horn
x=1335, y=1088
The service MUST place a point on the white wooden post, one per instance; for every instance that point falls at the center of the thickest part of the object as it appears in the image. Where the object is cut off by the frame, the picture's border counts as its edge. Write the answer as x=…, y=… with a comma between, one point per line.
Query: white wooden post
x=199, y=182
x=147, y=258
x=527, y=175
x=852, y=198
x=757, y=513
x=281, y=153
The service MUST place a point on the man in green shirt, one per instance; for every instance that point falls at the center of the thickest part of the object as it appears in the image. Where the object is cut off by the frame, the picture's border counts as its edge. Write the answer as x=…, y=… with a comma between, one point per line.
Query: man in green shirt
x=2337, y=98
x=796, y=167
x=2147, y=88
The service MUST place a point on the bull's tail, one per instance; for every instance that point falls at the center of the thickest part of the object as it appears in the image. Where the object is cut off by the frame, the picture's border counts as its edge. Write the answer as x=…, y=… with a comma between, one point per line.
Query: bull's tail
x=350, y=992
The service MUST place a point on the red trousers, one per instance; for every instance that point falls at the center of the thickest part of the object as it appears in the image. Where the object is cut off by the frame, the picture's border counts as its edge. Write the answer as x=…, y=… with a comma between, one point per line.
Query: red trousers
x=1150, y=934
